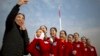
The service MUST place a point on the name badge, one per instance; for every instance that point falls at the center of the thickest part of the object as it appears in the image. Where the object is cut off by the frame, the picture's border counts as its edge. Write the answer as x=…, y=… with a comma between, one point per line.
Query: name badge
x=46, y=42
x=92, y=49
x=85, y=49
x=78, y=45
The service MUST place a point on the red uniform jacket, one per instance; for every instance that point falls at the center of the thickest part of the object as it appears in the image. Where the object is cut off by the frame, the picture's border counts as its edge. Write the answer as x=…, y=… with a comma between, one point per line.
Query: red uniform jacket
x=79, y=48
x=61, y=47
x=92, y=51
x=40, y=47
x=86, y=51
x=68, y=49
x=32, y=48
x=54, y=47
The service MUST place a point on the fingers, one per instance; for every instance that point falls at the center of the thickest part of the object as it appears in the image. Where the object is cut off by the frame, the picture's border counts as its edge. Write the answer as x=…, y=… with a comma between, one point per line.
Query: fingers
x=25, y=1
x=21, y=2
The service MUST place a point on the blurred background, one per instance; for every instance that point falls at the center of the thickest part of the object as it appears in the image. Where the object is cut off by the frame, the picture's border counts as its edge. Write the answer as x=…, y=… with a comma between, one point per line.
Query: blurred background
x=82, y=16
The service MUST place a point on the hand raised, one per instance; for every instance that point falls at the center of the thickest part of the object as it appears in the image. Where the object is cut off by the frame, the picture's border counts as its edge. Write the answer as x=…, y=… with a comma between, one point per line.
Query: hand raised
x=21, y=2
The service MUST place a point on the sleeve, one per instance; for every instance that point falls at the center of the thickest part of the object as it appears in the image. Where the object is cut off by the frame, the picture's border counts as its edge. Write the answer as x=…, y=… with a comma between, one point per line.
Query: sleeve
x=82, y=49
x=42, y=45
x=59, y=48
x=26, y=41
x=95, y=52
x=11, y=17
x=66, y=50
x=32, y=48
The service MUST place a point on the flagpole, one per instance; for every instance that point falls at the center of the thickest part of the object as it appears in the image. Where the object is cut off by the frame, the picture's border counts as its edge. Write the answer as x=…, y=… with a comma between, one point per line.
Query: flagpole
x=60, y=24
x=59, y=11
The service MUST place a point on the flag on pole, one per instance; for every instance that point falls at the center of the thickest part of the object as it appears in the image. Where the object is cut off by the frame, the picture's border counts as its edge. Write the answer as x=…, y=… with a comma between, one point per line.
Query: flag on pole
x=59, y=13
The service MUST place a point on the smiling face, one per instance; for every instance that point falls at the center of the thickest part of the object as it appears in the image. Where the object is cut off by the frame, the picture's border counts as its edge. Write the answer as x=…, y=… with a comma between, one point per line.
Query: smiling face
x=70, y=38
x=83, y=39
x=63, y=35
x=39, y=32
x=76, y=36
x=20, y=19
x=53, y=32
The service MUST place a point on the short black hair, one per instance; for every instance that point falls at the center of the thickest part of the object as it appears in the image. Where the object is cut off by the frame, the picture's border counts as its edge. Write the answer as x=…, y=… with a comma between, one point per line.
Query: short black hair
x=44, y=26
x=22, y=15
x=76, y=33
x=71, y=35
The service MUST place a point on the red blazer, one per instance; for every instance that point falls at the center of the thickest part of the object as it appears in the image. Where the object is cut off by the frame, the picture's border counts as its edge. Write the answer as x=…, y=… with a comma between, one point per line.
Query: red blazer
x=92, y=51
x=86, y=51
x=32, y=49
x=68, y=49
x=61, y=48
x=44, y=47
x=54, y=47
x=79, y=47
x=39, y=48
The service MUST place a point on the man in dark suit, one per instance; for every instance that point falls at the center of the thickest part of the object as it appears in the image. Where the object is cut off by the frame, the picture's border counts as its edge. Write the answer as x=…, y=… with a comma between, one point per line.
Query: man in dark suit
x=15, y=38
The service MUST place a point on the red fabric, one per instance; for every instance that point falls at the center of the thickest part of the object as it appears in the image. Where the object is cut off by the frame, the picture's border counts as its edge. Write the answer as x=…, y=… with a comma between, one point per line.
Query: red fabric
x=79, y=48
x=54, y=47
x=68, y=49
x=92, y=51
x=32, y=48
x=86, y=51
x=61, y=47
x=42, y=50
x=44, y=47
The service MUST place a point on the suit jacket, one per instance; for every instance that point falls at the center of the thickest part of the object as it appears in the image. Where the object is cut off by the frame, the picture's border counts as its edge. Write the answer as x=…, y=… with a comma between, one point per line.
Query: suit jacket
x=39, y=47
x=33, y=48
x=54, y=47
x=61, y=47
x=92, y=51
x=68, y=49
x=79, y=47
x=15, y=40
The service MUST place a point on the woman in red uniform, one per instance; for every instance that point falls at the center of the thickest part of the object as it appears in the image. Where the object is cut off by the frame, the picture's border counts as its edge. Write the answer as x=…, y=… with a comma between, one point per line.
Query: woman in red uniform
x=78, y=47
x=62, y=43
x=44, y=29
x=69, y=47
x=46, y=39
x=92, y=50
x=38, y=46
x=54, y=42
x=86, y=49
x=70, y=38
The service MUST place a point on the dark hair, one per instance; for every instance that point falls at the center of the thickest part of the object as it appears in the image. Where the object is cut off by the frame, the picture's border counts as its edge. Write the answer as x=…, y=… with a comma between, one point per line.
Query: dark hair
x=88, y=43
x=64, y=32
x=71, y=35
x=53, y=28
x=22, y=15
x=38, y=30
x=76, y=33
x=83, y=37
x=44, y=26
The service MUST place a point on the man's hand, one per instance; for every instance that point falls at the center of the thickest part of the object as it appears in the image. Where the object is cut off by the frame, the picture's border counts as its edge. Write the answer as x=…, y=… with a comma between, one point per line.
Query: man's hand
x=23, y=27
x=21, y=2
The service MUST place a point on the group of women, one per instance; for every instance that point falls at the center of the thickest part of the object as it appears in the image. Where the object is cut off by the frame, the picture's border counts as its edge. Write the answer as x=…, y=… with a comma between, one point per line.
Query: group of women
x=64, y=45
x=16, y=41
